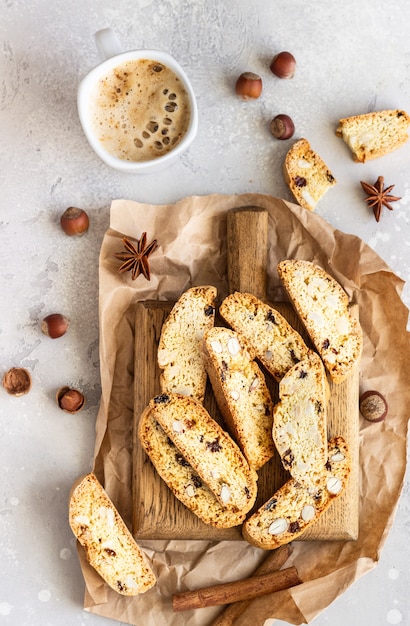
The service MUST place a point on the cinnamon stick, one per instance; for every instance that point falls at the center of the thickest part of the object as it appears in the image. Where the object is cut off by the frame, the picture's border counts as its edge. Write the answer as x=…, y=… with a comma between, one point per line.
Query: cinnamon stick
x=245, y=589
x=272, y=563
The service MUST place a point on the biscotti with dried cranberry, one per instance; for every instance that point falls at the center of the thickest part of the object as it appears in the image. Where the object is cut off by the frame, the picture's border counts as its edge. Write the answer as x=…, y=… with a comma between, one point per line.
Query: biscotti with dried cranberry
x=241, y=392
x=294, y=508
x=300, y=421
x=179, y=353
x=274, y=342
x=209, y=449
x=372, y=135
x=108, y=544
x=323, y=307
x=180, y=476
x=306, y=174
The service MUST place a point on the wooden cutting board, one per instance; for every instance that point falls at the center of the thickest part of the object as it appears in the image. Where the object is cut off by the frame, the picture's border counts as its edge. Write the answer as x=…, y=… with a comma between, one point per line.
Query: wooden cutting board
x=157, y=514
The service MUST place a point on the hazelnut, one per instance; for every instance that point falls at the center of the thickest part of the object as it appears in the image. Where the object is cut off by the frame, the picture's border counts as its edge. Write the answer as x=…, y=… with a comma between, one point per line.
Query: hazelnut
x=283, y=65
x=70, y=400
x=17, y=381
x=282, y=126
x=225, y=494
x=334, y=485
x=233, y=346
x=216, y=346
x=373, y=406
x=55, y=325
x=74, y=221
x=177, y=426
x=278, y=526
x=308, y=513
x=249, y=86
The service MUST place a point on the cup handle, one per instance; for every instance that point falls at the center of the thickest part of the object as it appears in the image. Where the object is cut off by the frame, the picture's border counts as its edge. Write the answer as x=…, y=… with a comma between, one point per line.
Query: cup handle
x=107, y=42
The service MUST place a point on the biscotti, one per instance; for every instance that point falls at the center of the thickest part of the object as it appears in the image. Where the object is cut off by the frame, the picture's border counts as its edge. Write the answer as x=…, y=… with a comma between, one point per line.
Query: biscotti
x=323, y=307
x=274, y=342
x=180, y=477
x=241, y=392
x=306, y=174
x=179, y=354
x=300, y=421
x=109, y=546
x=373, y=135
x=209, y=449
x=293, y=508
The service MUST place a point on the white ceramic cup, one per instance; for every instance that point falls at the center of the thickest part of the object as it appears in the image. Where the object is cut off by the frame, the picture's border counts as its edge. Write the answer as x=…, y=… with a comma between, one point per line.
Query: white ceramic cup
x=110, y=51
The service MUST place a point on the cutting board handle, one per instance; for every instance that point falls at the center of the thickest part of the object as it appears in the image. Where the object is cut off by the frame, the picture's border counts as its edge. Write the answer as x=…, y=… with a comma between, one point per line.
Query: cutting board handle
x=247, y=245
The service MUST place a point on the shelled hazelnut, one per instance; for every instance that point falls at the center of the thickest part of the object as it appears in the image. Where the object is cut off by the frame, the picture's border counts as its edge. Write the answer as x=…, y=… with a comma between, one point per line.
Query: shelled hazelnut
x=70, y=400
x=55, y=325
x=283, y=65
x=74, y=221
x=17, y=381
x=249, y=86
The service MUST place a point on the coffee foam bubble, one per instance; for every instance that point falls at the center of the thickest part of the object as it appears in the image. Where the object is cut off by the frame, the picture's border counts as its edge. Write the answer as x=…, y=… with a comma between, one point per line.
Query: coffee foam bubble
x=140, y=110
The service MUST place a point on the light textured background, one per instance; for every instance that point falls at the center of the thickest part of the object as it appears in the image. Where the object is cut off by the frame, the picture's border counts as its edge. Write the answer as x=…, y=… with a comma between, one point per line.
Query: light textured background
x=352, y=58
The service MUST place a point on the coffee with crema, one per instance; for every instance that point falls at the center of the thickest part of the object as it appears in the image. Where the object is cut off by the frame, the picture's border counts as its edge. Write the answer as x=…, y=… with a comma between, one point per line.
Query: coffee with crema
x=140, y=110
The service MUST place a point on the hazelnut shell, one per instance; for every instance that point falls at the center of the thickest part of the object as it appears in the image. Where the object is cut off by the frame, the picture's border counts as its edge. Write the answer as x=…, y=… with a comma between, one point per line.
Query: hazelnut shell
x=283, y=65
x=249, y=86
x=373, y=406
x=282, y=126
x=74, y=221
x=70, y=400
x=55, y=325
x=17, y=381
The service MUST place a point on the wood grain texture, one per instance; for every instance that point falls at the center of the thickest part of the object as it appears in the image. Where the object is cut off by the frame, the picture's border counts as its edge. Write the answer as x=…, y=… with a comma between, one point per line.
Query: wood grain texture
x=247, y=254
x=157, y=514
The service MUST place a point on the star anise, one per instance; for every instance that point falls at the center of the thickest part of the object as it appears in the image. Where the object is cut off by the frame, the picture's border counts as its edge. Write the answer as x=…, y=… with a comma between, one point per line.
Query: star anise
x=135, y=259
x=377, y=196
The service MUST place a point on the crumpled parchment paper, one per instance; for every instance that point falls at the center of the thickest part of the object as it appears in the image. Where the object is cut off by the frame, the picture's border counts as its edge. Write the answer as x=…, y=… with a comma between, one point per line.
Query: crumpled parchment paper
x=192, y=250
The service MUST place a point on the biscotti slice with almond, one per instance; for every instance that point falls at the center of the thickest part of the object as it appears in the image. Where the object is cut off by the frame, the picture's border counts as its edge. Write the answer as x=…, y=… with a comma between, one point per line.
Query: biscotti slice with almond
x=274, y=342
x=372, y=135
x=109, y=546
x=300, y=421
x=179, y=352
x=323, y=307
x=294, y=508
x=180, y=476
x=241, y=392
x=209, y=449
x=306, y=174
